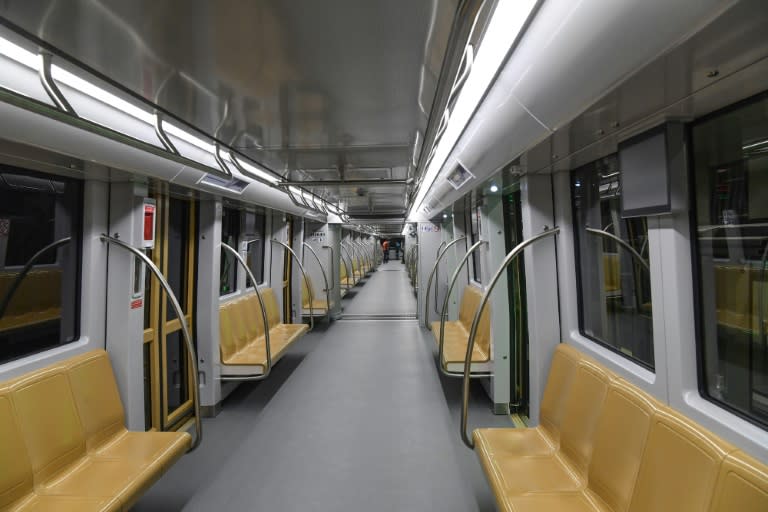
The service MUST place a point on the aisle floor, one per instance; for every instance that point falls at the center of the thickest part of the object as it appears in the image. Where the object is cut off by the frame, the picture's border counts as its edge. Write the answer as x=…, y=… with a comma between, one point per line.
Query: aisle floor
x=385, y=292
x=354, y=417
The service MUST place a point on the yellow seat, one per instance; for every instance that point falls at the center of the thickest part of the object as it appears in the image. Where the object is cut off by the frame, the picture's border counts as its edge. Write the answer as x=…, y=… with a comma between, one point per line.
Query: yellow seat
x=741, y=486
x=62, y=430
x=36, y=300
x=319, y=305
x=544, y=439
x=456, y=335
x=611, y=274
x=241, y=330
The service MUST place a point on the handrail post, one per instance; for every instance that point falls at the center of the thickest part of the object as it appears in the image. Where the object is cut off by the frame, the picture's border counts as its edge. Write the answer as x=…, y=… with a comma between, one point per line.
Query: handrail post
x=436, y=270
x=264, y=319
x=444, y=311
x=621, y=242
x=349, y=259
x=191, y=353
x=306, y=281
x=325, y=279
x=432, y=275
x=514, y=253
x=333, y=270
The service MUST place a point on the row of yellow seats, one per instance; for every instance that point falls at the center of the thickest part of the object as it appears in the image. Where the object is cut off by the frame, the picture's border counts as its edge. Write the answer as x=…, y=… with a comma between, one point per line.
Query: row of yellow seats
x=241, y=331
x=349, y=281
x=36, y=300
x=737, y=297
x=64, y=446
x=604, y=445
x=457, y=333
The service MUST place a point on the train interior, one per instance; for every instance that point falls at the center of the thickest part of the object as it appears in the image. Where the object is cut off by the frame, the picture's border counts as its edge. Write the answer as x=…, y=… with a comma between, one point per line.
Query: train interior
x=410, y=255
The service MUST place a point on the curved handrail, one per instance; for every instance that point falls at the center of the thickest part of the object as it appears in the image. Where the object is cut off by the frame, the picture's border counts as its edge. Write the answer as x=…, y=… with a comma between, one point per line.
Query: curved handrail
x=351, y=249
x=325, y=279
x=444, y=311
x=27, y=268
x=191, y=353
x=264, y=319
x=306, y=281
x=364, y=261
x=432, y=275
x=361, y=263
x=333, y=260
x=621, y=242
x=509, y=258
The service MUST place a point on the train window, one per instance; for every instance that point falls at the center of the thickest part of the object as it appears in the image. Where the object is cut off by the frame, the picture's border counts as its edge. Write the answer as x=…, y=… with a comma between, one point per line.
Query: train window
x=612, y=260
x=255, y=234
x=230, y=233
x=40, y=232
x=730, y=161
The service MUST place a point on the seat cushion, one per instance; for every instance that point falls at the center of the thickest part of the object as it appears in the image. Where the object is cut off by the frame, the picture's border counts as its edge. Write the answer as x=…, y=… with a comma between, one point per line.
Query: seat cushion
x=534, y=474
x=512, y=442
x=555, y=502
x=68, y=504
x=146, y=448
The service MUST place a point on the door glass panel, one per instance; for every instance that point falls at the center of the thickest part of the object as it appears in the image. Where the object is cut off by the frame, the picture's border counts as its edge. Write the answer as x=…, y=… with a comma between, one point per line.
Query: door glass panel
x=517, y=306
x=178, y=240
x=175, y=370
x=147, y=386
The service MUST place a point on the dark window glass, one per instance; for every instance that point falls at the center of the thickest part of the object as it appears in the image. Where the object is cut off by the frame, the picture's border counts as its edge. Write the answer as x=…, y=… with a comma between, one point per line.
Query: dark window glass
x=613, y=277
x=230, y=234
x=40, y=239
x=178, y=253
x=730, y=160
x=255, y=233
x=474, y=229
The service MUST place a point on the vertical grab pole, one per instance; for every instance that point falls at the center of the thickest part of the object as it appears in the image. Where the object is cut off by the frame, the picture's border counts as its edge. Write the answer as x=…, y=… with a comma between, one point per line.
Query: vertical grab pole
x=264, y=319
x=514, y=253
x=306, y=281
x=325, y=278
x=437, y=272
x=191, y=353
x=444, y=311
x=440, y=255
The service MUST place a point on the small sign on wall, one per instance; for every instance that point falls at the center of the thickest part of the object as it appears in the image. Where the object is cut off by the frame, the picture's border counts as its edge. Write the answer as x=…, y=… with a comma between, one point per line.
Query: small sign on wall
x=318, y=237
x=429, y=228
x=148, y=232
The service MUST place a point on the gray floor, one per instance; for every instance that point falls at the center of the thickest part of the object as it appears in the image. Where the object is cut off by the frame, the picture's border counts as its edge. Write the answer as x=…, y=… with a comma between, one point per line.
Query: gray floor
x=354, y=417
x=387, y=291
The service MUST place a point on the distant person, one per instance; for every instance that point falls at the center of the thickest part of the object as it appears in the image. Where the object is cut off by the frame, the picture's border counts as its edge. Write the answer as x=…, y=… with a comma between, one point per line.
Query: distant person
x=385, y=248
x=397, y=250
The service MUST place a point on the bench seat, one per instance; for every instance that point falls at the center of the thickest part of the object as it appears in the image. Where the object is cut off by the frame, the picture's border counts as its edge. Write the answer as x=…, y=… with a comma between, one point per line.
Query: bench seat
x=242, y=341
x=88, y=461
x=456, y=335
x=605, y=446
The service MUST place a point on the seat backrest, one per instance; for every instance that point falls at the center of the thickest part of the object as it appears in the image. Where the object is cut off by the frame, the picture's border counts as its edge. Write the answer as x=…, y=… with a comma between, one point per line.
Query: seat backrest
x=253, y=319
x=238, y=317
x=612, y=277
x=270, y=301
x=582, y=412
x=620, y=438
x=742, y=485
x=15, y=467
x=562, y=371
x=227, y=343
x=470, y=300
x=96, y=396
x=680, y=466
x=49, y=421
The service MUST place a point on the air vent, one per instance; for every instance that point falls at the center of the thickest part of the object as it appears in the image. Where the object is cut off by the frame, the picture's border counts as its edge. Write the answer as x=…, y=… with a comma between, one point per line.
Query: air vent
x=232, y=184
x=459, y=176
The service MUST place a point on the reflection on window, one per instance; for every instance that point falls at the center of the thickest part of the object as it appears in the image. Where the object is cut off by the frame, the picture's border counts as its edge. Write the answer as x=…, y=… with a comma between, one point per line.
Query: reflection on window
x=40, y=225
x=230, y=232
x=613, y=277
x=475, y=230
x=255, y=227
x=731, y=226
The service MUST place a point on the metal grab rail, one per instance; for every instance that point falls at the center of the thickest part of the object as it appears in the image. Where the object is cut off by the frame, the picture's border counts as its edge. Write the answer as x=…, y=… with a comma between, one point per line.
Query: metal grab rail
x=333, y=270
x=509, y=258
x=364, y=261
x=350, y=247
x=325, y=279
x=437, y=291
x=264, y=319
x=367, y=252
x=191, y=353
x=306, y=281
x=24, y=271
x=440, y=255
x=345, y=250
x=623, y=243
x=361, y=263
x=444, y=312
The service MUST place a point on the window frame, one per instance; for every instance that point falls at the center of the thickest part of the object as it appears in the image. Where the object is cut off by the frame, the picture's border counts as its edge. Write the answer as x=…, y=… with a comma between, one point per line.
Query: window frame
x=579, y=288
x=696, y=267
x=77, y=225
x=225, y=255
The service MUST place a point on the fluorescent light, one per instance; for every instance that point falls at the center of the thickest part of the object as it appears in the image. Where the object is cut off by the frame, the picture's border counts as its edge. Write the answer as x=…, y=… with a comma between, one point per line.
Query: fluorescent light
x=62, y=75
x=494, y=188
x=261, y=173
x=188, y=137
x=505, y=25
x=18, y=54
